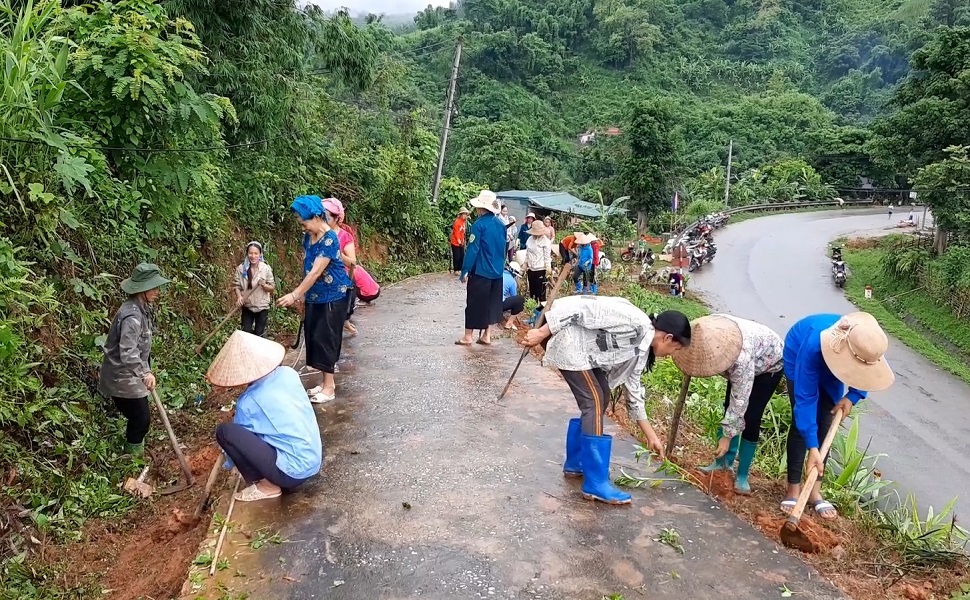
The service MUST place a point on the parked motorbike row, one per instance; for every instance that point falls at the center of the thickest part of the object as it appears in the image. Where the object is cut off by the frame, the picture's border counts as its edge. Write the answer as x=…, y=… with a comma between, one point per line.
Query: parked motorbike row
x=699, y=240
x=839, y=273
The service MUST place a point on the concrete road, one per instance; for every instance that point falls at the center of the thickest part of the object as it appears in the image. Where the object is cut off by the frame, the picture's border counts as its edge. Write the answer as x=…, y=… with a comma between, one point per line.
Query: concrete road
x=433, y=490
x=775, y=270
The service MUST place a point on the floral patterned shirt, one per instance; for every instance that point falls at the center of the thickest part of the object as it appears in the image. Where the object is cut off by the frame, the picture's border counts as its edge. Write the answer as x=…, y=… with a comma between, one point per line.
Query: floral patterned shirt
x=761, y=352
x=333, y=283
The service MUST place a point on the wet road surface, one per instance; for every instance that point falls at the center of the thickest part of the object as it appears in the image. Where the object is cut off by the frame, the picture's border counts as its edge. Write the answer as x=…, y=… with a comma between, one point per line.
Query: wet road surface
x=432, y=490
x=775, y=270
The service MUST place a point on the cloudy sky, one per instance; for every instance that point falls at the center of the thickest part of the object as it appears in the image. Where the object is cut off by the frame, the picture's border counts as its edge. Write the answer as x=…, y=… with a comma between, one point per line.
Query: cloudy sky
x=389, y=7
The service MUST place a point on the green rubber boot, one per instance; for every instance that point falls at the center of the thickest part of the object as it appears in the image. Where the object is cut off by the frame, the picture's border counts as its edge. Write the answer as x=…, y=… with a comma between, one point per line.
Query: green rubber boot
x=726, y=462
x=745, y=458
x=135, y=449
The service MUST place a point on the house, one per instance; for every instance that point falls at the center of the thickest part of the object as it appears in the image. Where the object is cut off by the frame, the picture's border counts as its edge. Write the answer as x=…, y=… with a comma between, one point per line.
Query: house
x=589, y=137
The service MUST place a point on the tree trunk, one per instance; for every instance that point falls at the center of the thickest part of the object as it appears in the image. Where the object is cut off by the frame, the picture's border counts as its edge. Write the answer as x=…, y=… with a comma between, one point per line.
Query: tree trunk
x=940, y=236
x=643, y=222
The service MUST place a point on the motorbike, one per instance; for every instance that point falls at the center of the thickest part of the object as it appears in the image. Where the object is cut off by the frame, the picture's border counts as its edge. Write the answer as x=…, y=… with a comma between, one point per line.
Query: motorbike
x=711, y=251
x=633, y=253
x=698, y=254
x=837, y=253
x=838, y=272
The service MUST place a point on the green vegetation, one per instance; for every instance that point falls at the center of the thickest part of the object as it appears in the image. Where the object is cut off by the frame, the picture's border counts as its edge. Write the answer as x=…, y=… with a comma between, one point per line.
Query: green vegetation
x=907, y=286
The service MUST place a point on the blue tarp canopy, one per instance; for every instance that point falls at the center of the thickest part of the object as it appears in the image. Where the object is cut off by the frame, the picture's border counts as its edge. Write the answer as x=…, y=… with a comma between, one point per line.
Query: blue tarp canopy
x=520, y=201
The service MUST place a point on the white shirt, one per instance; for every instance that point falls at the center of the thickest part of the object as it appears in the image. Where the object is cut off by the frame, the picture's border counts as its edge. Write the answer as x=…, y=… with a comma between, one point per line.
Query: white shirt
x=538, y=253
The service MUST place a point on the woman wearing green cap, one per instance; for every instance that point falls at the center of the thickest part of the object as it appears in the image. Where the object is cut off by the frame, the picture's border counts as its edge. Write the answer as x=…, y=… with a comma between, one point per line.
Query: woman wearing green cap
x=126, y=375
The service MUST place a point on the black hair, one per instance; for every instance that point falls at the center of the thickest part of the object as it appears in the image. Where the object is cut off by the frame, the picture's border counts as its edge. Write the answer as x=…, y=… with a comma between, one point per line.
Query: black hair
x=673, y=323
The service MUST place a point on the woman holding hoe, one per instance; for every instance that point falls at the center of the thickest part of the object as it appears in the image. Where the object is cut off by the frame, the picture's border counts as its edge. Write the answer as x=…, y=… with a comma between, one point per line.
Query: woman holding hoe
x=749, y=355
x=324, y=286
x=255, y=278
x=598, y=343
x=824, y=354
x=126, y=372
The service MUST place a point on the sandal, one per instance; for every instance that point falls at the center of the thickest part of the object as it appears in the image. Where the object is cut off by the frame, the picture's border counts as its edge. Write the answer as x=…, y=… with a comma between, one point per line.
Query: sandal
x=483, y=342
x=314, y=391
x=253, y=494
x=788, y=505
x=461, y=343
x=323, y=397
x=825, y=510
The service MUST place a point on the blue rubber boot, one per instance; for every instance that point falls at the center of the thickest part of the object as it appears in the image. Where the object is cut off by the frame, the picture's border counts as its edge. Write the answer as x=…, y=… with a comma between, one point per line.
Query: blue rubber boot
x=579, y=288
x=573, y=467
x=745, y=458
x=592, y=289
x=596, y=471
x=726, y=462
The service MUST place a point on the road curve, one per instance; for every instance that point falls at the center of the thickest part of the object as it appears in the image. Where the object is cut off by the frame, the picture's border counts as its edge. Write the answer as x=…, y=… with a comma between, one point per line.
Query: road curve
x=774, y=270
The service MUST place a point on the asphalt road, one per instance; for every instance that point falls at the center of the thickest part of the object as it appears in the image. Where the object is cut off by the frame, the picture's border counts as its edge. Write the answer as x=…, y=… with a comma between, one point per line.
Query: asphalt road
x=774, y=270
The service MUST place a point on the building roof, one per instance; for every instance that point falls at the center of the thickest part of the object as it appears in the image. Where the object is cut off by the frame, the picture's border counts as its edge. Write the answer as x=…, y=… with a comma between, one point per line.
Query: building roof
x=554, y=201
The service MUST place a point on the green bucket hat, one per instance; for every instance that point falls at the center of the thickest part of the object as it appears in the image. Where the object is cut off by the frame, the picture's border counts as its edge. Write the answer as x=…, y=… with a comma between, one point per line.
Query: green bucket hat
x=146, y=276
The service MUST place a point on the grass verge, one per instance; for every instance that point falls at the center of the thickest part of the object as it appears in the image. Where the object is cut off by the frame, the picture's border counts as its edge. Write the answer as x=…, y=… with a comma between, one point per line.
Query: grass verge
x=940, y=337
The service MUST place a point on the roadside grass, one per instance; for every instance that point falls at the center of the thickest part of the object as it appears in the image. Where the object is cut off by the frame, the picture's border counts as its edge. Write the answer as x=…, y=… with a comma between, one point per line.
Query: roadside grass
x=892, y=302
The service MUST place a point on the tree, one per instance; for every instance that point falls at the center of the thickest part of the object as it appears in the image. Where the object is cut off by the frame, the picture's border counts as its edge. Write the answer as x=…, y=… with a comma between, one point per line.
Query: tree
x=655, y=149
x=945, y=187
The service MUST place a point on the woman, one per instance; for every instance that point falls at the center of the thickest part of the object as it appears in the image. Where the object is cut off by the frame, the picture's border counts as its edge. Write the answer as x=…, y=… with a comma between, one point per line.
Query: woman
x=550, y=230
x=749, y=355
x=126, y=373
x=823, y=355
x=458, y=241
x=254, y=287
x=538, y=261
x=368, y=289
x=482, y=270
x=585, y=274
x=512, y=303
x=567, y=247
x=273, y=440
x=348, y=253
x=325, y=284
x=598, y=344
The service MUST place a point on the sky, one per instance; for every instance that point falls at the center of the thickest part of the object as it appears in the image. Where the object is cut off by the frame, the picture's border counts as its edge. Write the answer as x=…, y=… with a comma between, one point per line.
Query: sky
x=389, y=7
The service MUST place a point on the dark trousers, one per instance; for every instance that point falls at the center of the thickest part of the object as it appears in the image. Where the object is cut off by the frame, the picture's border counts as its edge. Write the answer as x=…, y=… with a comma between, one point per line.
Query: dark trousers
x=368, y=299
x=135, y=410
x=587, y=277
x=323, y=325
x=592, y=393
x=513, y=305
x=457, y=257
x=254, y=322
x=537, y=285
x=564, y=253
x=351, y=301
x=796, y=443
x=761, y=392
x=254, y=458
x=484, y=304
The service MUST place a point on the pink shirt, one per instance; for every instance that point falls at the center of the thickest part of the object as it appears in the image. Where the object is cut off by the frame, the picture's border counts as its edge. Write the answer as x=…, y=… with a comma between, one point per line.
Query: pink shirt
x=366, y=286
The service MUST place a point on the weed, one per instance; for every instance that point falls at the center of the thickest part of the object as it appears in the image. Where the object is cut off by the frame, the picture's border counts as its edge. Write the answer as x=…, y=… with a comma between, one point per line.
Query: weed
x=936, y=541
x=261, y=537
x=671, y=537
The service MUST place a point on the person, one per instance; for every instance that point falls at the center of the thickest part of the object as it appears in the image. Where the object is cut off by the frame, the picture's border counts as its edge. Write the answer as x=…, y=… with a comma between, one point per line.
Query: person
x=126, y=373
x=676, y=282
x=458, y=242
x=254, y=288
x=599, y=343
x=510, y=238
x=823, y=354
x=482, y=270
x=585, y=274
x=567, y=247
x=368, y=289
x=524, y=230
x=911, y=218
x=508, y=220
x=550, y=230
x=324, y=289
x=749, y=355
x=512, y=303
x=348, y=253
x=273, y=440
x=538, y=261
x=890, y=211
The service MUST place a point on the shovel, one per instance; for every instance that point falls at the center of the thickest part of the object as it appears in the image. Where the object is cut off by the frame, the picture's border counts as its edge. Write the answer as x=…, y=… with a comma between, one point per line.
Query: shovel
x=790, y=534
x=186, y=471
x=138, y=487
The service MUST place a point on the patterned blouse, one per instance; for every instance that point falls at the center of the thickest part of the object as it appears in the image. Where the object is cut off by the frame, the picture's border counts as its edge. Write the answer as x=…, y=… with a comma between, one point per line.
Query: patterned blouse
x=761, y=353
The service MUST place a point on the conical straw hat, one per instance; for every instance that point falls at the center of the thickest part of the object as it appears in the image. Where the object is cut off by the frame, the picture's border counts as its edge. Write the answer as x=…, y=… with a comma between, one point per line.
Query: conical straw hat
x=854, y=350
x=244, y=359
x=715, y=344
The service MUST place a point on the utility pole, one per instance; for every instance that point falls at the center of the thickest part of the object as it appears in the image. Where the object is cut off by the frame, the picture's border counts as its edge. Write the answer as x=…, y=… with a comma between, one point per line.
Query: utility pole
x=449, y=108
x=727, y=180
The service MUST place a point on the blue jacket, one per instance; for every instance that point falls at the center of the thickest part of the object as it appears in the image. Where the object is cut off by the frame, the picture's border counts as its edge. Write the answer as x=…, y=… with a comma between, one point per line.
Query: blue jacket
x=523, y=236
x=808, y=374
x=485, y=255
x=509, y=286
x=585, y=252
x=276, y=409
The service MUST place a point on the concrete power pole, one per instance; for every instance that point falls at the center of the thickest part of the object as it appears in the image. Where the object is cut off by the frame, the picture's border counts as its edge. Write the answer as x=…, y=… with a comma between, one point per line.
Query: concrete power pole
x=727, y=180
x=449, y=108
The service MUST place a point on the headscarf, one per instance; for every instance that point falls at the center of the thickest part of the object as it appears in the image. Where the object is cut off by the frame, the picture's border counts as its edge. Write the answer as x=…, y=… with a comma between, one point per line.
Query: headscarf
x=246, y=265
x=335, y=207
x=308, y=207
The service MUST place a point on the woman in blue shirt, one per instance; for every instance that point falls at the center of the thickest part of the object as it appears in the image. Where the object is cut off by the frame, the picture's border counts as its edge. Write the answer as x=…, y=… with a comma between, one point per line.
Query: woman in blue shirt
x=482, y=269
x=824, y=354
x=273, y=440
x=324, y=288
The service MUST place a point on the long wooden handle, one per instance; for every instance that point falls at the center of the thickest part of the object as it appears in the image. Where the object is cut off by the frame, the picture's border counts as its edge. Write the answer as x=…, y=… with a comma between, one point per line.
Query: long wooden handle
x=205, y=340
x=539, y=322
x=171, y=436
x=796, y=512
x=225, y=527
x=213, y=475
x=678, y=411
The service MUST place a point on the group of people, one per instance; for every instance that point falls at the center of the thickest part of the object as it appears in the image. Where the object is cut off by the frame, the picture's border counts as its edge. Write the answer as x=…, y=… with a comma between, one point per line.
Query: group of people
x=273, y=442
